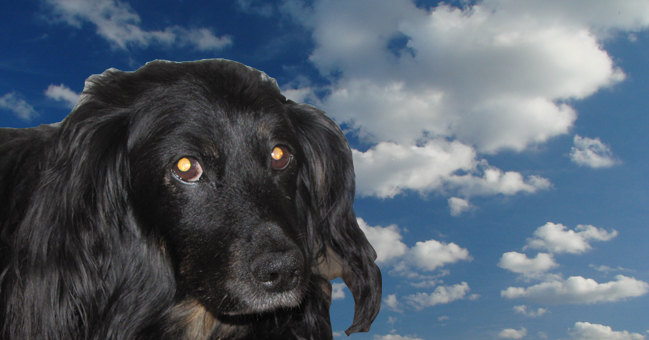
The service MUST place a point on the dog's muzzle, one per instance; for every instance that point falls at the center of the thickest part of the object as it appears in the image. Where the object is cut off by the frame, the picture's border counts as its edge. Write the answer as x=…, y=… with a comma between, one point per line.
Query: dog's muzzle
x=278, y=271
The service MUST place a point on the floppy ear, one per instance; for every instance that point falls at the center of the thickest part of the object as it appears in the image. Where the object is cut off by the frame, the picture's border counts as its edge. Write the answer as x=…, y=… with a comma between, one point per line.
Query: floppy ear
x=326, y=185
x=77, y=248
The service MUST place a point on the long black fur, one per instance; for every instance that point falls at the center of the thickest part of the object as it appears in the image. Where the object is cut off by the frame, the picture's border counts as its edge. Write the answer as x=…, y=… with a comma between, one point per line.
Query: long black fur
x=98, y=240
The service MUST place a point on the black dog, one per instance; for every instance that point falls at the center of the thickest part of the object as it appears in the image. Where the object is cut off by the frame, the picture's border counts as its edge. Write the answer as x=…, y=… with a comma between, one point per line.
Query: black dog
x=180, y=201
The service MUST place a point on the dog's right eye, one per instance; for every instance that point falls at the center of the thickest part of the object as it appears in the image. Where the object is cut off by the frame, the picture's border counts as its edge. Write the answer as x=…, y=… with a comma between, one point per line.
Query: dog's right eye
x=280, y=158
x=188, y=169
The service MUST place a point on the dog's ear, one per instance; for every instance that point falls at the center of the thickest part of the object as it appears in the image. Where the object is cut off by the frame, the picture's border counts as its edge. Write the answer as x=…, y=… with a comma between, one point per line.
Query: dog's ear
x=326, y=188
x=77, y=244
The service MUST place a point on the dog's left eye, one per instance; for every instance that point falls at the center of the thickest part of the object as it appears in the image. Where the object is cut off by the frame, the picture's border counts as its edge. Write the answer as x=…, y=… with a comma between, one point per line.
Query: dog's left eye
x=188, y=169
x=280, y=158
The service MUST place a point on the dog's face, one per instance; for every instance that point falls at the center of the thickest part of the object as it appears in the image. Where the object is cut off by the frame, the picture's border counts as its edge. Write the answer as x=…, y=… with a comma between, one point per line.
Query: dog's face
x=216, y=186
x=206, y=171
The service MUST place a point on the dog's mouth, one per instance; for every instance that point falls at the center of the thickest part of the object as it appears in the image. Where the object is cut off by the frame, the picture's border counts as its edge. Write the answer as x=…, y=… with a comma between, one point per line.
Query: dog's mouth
x=271, y=281
x=270, y=302
x=258, y=302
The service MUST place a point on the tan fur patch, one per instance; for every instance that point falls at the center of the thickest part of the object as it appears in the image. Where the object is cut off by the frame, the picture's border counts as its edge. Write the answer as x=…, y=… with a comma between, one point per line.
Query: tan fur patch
x=197, y=322
x=330, y=266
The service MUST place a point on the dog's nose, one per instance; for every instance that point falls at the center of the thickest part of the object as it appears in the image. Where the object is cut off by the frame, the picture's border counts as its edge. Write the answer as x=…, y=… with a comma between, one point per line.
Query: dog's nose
x=278, y=271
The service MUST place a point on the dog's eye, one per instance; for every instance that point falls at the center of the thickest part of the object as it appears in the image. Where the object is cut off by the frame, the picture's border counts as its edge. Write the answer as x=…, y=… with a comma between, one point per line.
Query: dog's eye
x=280, y=158
x=188, y=169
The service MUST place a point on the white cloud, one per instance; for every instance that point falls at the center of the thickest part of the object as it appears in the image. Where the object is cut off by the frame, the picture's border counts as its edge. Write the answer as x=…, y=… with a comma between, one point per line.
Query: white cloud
x=299, y=95
x=338, y=291
x=589, y=331
x=386, y=241
x=458, y=206
x=556, y=238
x=631, y=15
x=425, y=86
x=392, y=320
x=392, y=302
x=522, y=309
x=441, y=295
x=579, y=290
x=62, y=93
x=203, y=38
x=430, y=283
x=490, y=75
x=17, y=106
x=530, y=268
x=511, y=333
x=606, y=269
x=394, y=337
x=592, y=153
x=388, y=169
x=427, y=256
x=432, y=254
x=119, y=24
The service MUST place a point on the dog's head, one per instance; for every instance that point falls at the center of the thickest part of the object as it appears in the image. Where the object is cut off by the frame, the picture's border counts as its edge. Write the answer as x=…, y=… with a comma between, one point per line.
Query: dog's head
x=248, y=195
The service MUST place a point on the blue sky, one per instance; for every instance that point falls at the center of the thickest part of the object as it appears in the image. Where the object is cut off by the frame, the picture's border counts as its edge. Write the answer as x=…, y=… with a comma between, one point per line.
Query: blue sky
x=501, y=150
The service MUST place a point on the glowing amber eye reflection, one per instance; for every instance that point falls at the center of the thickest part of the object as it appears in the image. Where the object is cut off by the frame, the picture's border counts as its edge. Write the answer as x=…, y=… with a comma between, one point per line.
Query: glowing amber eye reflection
x=280, y=158
x=277, y=153
x=184, y=165
x=188, y=169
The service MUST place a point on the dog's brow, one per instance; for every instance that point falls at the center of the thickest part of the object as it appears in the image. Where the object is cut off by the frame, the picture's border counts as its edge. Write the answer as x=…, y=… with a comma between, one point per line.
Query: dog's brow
x=210, y=149
x=265, y=127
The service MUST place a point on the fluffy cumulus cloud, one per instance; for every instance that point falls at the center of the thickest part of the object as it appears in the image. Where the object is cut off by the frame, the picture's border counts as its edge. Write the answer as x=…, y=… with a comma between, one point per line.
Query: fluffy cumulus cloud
x=486, y=73
x=554, y=289
x=424, y=256
x=589, y=331
x=631, y=15
x=18, y=106
x=432, y=254
x=338, y=291
x=392, y=303
x=416, y=263
x=119, y=24
x=432, y=89
x=389, y=169
x=385, y=240
x=441, y=295
x=511, y=333
x=62, y=93
x=579, y=290
x=458, y=206
x=522, y=309
x=557, y=238
x=592, y=153
x=530, y=268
